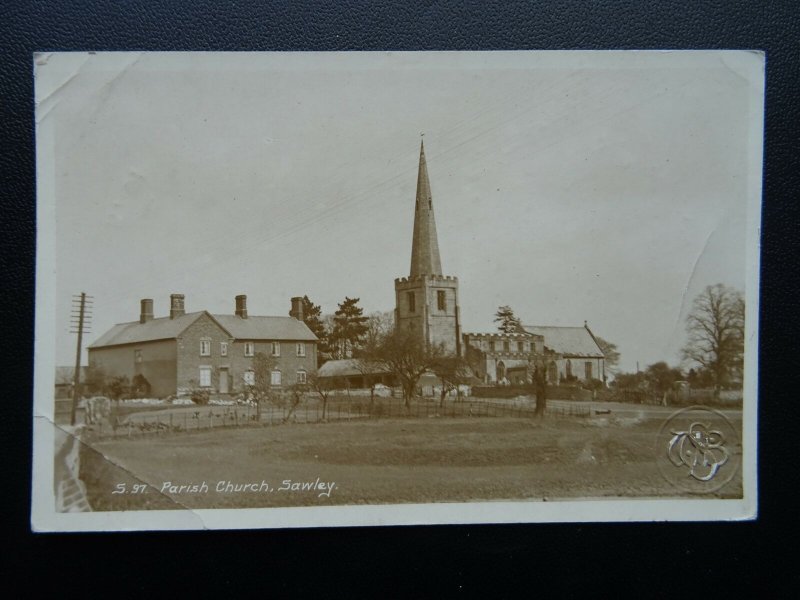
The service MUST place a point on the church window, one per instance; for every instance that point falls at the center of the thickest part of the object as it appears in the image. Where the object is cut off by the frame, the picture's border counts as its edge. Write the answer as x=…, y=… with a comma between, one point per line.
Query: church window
x=569, y=368
x=588, y=370
x=492, y=346
x=412, y=302
x=520, y=346
x=440, y=300
x=506, y=346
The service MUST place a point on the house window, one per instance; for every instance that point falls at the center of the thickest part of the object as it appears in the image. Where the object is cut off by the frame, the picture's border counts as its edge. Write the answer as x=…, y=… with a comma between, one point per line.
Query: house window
x=137, y=356
x=205, y=348
x=587, y=367
x=520, y=346
x=205, y=376
x=412, y=302
x=440, y=300
x=249, y=348
x=223, y=348
x=276, y=348
x=301, y=349
x=249, y=378
x=301, y=377
x=275, y=378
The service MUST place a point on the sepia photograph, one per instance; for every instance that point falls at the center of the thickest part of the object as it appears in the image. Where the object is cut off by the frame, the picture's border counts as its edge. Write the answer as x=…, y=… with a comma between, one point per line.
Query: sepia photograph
x=304, y=289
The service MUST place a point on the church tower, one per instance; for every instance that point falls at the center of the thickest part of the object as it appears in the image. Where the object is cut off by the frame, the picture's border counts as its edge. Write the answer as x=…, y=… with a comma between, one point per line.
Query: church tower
x=427, y=301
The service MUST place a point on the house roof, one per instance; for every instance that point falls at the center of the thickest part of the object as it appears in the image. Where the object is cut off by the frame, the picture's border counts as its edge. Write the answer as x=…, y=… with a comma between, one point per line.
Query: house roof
x=568, y=341
x=164, y=328
x=347, y=367
x=266, y=328
x=135, y=332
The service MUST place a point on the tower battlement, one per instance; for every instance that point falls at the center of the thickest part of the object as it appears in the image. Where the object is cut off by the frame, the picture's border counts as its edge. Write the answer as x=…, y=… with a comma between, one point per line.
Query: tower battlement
x=420, y=278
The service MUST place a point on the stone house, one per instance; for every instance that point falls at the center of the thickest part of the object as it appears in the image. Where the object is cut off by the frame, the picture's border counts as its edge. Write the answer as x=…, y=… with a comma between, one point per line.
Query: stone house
x=184, y=351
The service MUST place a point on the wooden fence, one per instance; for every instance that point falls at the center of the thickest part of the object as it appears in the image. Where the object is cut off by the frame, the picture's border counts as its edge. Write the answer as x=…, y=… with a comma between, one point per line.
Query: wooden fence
x=207, y=418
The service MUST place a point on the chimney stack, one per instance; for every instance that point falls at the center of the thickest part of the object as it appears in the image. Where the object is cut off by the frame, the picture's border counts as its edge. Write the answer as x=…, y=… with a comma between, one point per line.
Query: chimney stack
x=297, y=308
x=146, y=312
x=176, y=308
x=241, y=306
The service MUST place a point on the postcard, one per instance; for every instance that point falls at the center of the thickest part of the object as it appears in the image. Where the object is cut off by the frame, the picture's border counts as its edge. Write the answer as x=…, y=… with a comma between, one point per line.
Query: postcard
x=342, y=289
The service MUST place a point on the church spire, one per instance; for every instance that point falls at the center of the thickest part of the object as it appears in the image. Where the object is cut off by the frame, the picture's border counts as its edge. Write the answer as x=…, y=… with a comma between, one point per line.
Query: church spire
x=425, y=246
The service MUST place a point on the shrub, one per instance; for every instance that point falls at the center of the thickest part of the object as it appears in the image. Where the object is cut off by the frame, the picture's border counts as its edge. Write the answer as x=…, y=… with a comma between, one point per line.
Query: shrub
x=200, y=396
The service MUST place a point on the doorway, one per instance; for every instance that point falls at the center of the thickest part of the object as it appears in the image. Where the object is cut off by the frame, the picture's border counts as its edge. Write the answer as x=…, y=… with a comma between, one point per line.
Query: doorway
x=223, y=381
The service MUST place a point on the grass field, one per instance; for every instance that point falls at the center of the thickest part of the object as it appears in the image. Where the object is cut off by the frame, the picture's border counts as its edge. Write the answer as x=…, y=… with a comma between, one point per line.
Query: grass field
x=383, y=461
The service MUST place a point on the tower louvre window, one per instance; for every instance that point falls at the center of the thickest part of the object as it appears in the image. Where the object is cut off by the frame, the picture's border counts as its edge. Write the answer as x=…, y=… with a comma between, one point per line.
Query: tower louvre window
x=441, y=300
x=412, y=302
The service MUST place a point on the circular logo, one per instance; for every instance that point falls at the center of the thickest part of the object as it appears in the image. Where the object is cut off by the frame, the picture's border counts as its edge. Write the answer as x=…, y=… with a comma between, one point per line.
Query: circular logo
x=698, y=450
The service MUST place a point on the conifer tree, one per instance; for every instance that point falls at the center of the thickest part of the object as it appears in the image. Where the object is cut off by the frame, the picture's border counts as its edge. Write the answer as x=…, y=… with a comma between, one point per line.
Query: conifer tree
x=312, y=317
x=507, y=321
x=349, y=328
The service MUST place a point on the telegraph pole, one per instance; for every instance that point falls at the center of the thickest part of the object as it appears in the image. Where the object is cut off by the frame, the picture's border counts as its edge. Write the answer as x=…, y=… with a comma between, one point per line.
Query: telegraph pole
x=80, y=317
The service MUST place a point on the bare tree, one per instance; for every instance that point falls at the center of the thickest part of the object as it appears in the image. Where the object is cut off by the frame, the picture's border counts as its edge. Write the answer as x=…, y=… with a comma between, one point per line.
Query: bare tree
x=322, y=387
x=406, y=355
x=610, y=353
x=539, y=377
x=453, y=371
x=293, y=397
x=715, y=330
x=379, y=325
x=260, y=383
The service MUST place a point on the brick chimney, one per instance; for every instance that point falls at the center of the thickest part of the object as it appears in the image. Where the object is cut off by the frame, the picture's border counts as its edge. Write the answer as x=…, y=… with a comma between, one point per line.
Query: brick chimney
x=241, y=306
x=176, y=308
x=146, y=312
x=297, y=308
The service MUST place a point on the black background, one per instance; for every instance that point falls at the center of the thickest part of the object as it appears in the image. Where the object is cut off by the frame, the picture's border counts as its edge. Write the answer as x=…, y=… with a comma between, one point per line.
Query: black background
x=656, y=558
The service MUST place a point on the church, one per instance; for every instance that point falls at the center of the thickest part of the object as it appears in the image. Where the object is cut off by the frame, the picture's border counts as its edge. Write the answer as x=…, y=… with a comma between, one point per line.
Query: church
x=427, y=303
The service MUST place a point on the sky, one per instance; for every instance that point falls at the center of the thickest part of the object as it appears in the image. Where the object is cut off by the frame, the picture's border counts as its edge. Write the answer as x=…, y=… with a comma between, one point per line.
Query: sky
x=601, y=187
